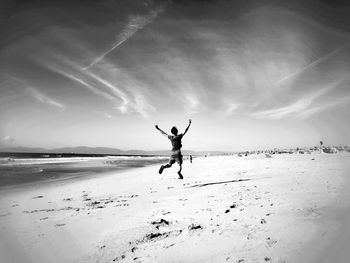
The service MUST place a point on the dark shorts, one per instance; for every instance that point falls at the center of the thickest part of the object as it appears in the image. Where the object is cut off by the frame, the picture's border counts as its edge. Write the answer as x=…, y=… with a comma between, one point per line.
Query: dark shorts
x=176, y=156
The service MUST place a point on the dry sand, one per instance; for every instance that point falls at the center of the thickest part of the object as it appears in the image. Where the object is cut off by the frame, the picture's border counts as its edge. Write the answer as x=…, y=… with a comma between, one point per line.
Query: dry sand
x=288, y=208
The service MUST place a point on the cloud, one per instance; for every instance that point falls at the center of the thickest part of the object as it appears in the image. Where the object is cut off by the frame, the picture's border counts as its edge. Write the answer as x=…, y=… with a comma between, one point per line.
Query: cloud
x=308, y=66
x=191, y=103
x=87, y=85
x=231, y=108
x=7, y=138
x=116, y=91
x=108, y=116
x=45, y=99
x=35, y=93
x=317, y=109
x=116, y=86
x=134, y=24
x=143, y=107
x=297, y=107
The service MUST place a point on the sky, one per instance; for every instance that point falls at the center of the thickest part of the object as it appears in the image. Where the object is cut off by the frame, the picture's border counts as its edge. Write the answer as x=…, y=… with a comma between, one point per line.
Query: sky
x=250, y=74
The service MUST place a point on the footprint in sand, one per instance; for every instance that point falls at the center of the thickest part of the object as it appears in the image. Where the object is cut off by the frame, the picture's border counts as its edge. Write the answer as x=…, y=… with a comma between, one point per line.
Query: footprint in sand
x=270, y=242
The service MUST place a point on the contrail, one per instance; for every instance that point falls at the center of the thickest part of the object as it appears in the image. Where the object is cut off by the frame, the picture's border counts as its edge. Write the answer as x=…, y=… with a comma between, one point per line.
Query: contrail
x=314, y=63
x=90, y=87
x=45, y=99
x=37, y=94
x=134, y=24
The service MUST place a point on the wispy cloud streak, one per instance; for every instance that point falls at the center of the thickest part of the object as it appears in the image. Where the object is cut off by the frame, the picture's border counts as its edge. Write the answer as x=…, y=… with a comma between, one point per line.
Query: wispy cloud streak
x=87, y=85
x=297, y=107
x=118, y=92
x=308, y=66
x=35, y=93
x=134, y=24
x=317, y=109
x=45, y=99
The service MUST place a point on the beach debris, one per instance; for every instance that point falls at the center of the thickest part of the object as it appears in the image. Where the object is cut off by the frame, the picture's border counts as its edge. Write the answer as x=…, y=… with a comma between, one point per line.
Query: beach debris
x=133, y=249
x=44, y=218
x=41, y=210
x=67, y=199
x=267, y=259
x=194, y=227
x=233, y=206
x=58, y=225
x=37, y=197
x=330, y=150
x=96, y=204
x=268, y=155
x=263, y=221
x=169, y=245
x=240, y=260
x=227, y=210
x=161, y=222
x=154, y=235
x=119, y=258
x=122, y=205
x=48, y=210
x=165, y=213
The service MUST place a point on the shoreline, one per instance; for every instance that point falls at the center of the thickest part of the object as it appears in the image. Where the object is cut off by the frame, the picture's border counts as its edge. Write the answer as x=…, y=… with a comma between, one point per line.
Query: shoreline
x=40, y=171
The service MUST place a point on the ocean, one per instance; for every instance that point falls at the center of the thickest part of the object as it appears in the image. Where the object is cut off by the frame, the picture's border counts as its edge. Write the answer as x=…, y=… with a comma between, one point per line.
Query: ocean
x=18, y=169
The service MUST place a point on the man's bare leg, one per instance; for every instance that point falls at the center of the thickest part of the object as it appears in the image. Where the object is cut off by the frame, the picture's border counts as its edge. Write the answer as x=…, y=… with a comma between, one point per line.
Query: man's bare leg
x=179, y=172
x=165, y=166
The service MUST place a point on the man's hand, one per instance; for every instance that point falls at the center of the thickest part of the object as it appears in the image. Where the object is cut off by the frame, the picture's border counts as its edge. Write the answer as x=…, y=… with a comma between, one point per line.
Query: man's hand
x=156, y=127
x=190, y=121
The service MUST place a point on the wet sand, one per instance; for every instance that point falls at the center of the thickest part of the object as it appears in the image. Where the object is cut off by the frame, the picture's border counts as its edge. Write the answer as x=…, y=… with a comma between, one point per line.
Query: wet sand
x=288, y=208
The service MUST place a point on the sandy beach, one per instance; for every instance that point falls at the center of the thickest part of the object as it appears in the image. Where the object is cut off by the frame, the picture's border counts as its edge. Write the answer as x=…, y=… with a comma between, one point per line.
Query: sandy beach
x=288, y=208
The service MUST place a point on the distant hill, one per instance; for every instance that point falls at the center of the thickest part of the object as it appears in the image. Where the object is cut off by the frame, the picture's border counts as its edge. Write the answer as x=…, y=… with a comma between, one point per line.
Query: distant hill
x=92, y=150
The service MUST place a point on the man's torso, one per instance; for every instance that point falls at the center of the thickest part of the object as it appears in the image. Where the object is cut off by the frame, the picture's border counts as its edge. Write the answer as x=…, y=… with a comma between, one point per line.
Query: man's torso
x=175, y=141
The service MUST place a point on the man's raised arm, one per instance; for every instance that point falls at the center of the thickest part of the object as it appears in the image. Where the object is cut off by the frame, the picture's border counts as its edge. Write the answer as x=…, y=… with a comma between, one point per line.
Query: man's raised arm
x=162, y=132
x=189, y=124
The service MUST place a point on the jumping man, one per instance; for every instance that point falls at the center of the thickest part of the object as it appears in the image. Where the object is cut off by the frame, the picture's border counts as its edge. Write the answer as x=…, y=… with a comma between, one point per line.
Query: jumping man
x=176, y=155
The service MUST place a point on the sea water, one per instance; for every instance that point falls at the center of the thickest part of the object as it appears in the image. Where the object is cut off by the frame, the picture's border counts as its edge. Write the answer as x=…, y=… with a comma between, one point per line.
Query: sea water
x=15, y=171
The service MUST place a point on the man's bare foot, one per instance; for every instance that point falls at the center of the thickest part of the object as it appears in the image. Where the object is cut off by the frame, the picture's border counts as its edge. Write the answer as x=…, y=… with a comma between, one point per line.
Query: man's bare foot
x=161, y=169
x=180, y=175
